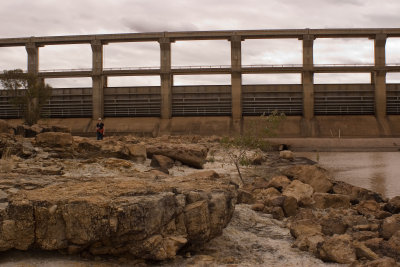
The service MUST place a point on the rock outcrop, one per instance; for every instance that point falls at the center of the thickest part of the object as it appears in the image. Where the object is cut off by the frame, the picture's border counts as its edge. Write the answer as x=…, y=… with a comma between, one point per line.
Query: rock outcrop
x=189, y=154
x=142, y=216
x=81, y=195
x=54, y=139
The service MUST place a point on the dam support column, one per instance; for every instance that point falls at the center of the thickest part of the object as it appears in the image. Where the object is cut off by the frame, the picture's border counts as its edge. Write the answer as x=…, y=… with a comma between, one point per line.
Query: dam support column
x=166, y=78
x=33, y=57
x=307, y=80
x=33, y=68
x=236, y=83
x=379, y=82
x=97, y=80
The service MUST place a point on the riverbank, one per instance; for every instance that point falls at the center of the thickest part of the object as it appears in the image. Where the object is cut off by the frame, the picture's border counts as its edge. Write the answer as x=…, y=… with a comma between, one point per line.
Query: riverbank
x=169, y=201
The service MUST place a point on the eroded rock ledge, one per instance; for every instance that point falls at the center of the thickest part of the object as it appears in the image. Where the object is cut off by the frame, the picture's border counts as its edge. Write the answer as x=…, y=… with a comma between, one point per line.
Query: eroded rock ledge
x=147, y=216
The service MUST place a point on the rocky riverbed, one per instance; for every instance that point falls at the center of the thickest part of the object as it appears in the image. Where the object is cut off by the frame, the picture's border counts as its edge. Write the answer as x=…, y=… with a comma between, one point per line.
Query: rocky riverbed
x=177, y=201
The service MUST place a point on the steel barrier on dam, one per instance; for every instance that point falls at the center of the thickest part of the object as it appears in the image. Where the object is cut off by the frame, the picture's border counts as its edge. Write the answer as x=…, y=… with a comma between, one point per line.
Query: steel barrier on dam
x=393, y=99
x=201, y=100
x=263, y=99
x=307, y=100
x=212, y=100
x=132, y=101
x=344, y=99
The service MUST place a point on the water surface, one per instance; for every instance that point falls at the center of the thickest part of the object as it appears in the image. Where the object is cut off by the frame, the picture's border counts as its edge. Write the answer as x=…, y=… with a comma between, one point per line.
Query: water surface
x=377, y=171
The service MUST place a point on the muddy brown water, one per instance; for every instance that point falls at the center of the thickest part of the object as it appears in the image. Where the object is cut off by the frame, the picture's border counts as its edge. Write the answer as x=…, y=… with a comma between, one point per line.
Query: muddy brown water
x=377, y=171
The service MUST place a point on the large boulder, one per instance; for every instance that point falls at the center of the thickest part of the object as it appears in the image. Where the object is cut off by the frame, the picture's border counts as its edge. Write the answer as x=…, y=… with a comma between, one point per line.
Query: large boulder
x=372, y=208
x=305, y=227
x=5, y=127
x=393, y=205
x=312, y=175
x=54, y=139
x=338, y=248
x=88, y=147
x=279, y=182
x=286, y=154
x=333, y=222
x=390, y=226
x=145, y=217
x=356, y=193
x=300, y=191
x=393, y=246
x=189, y=154
x=375, y=244
x=28, y=131
x=245, y=197
x=363, y=252
x=162, y=163
x=309, y=243
x=326, y=200
x=135, y=152
x=307, y=233
x=265, y=195
x=288, y=204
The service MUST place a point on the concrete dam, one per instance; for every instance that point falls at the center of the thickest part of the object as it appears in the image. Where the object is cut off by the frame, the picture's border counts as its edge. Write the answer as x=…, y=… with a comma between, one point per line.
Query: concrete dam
x=313, y=110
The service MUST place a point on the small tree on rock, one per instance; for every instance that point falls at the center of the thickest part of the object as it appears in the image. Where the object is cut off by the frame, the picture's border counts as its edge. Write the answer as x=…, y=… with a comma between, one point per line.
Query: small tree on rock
x=28, y=92
x=253, y=137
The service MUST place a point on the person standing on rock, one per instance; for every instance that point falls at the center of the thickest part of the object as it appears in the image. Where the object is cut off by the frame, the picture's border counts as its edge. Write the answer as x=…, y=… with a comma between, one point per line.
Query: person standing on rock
x=100, y=129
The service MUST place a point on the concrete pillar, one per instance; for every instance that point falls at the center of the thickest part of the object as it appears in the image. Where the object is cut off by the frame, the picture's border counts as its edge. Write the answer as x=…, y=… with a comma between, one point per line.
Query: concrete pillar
x=380, y=94
x=308, y=52
x=105, y=81
x=379, y=51
x=33, y=57
x=379, y=78
x=236, y=77
x=308, y=77
x=33, y=68
x=166, y=78
x=97, y=80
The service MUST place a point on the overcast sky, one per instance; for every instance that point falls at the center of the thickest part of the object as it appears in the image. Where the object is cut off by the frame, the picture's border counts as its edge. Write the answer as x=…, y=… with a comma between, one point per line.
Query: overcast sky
x=23, y=18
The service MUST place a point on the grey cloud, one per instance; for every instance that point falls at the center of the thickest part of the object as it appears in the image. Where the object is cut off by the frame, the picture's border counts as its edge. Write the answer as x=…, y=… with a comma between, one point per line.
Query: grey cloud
x=157, y=25
x=201, y=53
x=45, y=17
x=385, y=20
x=357, y=3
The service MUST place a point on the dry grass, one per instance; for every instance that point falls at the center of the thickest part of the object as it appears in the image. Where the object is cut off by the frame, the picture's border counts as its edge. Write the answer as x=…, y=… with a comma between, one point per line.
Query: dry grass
x=6, y=161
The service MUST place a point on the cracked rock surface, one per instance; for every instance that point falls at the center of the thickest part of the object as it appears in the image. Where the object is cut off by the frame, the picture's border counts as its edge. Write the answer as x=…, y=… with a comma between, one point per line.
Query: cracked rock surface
x=143, y=215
